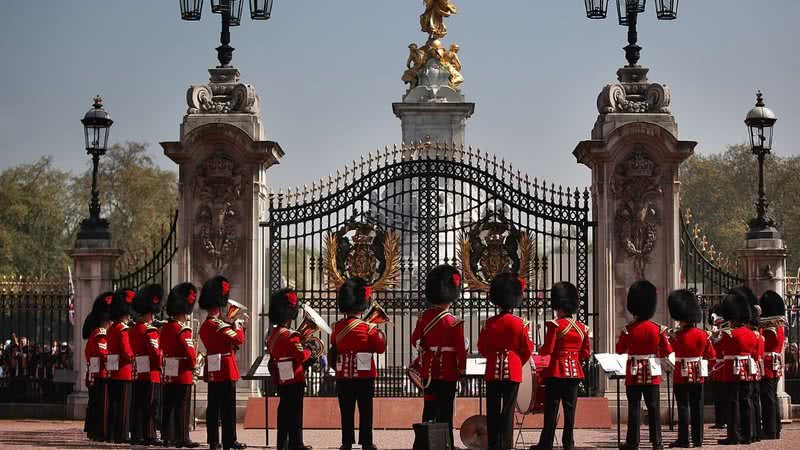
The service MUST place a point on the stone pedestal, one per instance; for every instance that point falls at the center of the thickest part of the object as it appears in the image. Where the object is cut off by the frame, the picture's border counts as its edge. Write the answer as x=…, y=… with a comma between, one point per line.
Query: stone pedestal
x=764, y=262
x=634, y=156
x=94, y=273
x=223, y=160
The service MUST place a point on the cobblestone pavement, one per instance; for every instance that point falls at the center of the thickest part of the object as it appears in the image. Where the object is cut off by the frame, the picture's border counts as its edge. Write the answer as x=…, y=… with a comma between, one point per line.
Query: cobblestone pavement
x=49, y=434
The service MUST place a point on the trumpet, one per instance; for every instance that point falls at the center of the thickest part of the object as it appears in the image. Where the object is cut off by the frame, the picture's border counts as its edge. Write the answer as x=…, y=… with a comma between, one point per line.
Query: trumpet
x=376, y=314
x=312, y=322
x=236, y=311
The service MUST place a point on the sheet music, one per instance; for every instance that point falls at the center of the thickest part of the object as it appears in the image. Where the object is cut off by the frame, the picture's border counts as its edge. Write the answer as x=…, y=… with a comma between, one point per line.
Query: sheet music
x=612, y=363
x=476, y=366
x=668, y=363
x=263, y=368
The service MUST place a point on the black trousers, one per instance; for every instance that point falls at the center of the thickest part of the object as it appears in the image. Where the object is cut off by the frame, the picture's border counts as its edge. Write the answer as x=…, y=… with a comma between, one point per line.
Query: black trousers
x=770, y=410
x=689, y=397
x=290, y=416
x=96, y=423
x=439, y=402
x=755, y=415
x=501, y=397
x=145, y=410
x=635, y=393
x=176, y=399
x=739, y=408
x=350, y=393
x=221, y=408
x=720, y=413
x=119, y=410
x=564, y=391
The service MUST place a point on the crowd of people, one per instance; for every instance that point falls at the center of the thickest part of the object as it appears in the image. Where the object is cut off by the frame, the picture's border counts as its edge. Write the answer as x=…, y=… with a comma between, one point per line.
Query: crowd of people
x=27, y=369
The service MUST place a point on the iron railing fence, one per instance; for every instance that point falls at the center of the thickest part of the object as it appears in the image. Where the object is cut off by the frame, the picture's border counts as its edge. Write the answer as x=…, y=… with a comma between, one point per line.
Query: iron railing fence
x=159, y=268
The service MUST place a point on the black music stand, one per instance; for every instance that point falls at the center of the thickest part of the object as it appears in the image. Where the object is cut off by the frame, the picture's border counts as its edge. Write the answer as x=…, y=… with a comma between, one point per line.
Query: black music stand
x=260, y=372
x=613, y=366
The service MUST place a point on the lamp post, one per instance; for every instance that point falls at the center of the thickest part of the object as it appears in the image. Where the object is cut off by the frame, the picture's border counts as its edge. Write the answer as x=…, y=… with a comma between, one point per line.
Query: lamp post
x=231, y=15
x=628, y=12
x=96, y=125
x=760, y=121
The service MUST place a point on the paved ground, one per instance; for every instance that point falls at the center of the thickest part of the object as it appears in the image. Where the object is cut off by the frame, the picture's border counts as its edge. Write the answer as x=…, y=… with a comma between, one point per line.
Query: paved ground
x=35, y=434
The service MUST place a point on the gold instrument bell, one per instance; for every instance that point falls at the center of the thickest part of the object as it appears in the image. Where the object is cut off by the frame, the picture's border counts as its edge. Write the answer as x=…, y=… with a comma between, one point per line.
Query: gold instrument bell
x=375, y=314
x=236, y=311
x=312, y=322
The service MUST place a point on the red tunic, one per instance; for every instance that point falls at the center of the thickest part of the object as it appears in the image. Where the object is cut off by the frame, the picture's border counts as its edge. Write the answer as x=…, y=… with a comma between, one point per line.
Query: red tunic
x=758, y=355
x=176, y=342
x=691, y=344
x=774, y=337
x=221, y=338
x=144, y=341
x=566, y=340
x=119, y=344
x=442, y=348
x=643, y=341
x=356, y=341
x=285, y=347
x=506, y=344
x=737, y=348
x=96, y=347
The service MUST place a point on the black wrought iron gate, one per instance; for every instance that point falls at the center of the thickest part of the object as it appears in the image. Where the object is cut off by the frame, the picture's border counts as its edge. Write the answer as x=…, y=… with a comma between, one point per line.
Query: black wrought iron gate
x=394, y=215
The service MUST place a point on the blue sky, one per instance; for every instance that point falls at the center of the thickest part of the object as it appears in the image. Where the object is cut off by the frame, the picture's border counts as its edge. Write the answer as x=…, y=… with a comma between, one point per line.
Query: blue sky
x=328, y=71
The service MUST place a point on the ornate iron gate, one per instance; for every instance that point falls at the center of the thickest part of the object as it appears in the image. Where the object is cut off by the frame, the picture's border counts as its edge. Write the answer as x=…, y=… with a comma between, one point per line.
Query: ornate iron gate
x=394, y=215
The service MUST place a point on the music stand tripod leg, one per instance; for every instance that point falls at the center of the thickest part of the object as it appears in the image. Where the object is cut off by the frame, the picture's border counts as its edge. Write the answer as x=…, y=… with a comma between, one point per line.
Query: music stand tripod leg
x=619, y=420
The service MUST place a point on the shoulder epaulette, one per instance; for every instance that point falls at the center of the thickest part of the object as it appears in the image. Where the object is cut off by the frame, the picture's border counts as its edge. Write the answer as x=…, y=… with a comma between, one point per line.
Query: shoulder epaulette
x=150, y=327
x=371, y=326
x=773, y=329
x=221, y=324
x=456, y=322
x=709, y=333
x=125, y=327
x=552, y=322
x=525, y=323
x=101, y=332
x=185, y=328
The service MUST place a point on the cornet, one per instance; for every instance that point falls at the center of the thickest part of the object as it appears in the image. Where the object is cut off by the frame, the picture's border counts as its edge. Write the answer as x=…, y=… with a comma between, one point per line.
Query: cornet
x=376, y=315
x=236, y=311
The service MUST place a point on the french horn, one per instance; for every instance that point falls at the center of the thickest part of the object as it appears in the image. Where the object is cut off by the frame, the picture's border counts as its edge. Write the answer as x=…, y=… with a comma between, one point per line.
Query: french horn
x=312, y=322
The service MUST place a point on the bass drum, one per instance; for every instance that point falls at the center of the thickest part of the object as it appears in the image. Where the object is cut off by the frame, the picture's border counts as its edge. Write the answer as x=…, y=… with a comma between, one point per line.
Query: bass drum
x=530, y=397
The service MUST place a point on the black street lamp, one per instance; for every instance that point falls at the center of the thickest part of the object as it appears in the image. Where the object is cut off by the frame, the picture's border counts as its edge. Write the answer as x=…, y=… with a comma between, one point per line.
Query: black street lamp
x=628, y=13
x=760, y=121
x=231, y=14
x=96, y=125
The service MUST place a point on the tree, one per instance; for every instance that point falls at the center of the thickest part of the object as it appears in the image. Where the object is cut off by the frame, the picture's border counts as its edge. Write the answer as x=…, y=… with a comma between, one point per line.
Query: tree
x=720, y=190
x=33, y=219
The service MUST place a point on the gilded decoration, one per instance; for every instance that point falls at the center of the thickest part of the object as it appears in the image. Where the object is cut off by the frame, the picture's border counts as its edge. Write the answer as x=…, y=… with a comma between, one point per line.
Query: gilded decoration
x=494, y=246
x=365, y=251
x=218, y=187
x=445, y=59
x=636, y=184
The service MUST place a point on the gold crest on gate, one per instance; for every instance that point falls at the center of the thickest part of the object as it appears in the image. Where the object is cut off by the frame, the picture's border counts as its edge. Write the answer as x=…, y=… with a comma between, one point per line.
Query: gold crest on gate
x=362, y=250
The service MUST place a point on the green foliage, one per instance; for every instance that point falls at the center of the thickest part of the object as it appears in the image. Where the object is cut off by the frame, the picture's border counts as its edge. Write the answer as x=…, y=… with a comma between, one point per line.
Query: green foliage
x=720, y=189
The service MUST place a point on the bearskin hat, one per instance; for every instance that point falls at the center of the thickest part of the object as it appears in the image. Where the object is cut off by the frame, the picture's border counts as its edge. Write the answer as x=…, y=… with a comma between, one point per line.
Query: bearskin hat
x=564, y=296
x=772, y=304
x=101, y=308
x=283, y=306
x=214, y=293
x=89, y=324
x=353, y=296
x=684, y=307
x=181, y=299
x=122, y=304
x=736, y=306
x=506, y=289
x=443, y=285
x=642, y=298
x=148, y=299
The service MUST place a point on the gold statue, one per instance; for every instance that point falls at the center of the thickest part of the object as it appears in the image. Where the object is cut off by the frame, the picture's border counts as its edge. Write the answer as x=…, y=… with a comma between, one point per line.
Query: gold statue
x=416, y=59
x=453, y=64
x=432, y=20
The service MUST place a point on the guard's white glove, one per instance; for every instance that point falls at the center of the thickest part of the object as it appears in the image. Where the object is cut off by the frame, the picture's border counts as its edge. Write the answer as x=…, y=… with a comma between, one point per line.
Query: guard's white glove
x=239, y=323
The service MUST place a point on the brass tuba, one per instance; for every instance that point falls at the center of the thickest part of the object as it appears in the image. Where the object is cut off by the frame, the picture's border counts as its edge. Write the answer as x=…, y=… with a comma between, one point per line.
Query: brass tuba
x=312, y=322
x=236, y=311
x=375, y=314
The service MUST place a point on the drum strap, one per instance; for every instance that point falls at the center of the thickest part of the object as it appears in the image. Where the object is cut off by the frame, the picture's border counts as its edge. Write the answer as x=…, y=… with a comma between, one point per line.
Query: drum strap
x=274, y=338
x=571, y=323
x=434, y=322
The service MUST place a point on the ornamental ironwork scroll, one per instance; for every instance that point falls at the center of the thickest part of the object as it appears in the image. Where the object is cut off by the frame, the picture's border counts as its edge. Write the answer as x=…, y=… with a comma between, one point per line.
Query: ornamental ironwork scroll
x=491, y=247
x=362, y=250
x=636, y=184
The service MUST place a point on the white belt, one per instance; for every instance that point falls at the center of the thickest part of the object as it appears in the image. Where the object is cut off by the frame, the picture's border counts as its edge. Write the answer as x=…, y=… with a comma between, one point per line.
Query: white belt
x=736, y=357
x=773, y=354
x=641, y=357
x=442, y=349
x=689, y=359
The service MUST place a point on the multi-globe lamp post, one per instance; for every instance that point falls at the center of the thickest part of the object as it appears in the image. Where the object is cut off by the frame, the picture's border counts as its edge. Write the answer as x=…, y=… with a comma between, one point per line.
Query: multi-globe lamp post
x=231, y=16
x=760, y=121
x=96, y=126
x=628, y=13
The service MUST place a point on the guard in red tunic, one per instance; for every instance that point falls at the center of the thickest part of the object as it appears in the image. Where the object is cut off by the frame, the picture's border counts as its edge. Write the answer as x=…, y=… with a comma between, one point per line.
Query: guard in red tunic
x=95, y=331
x=738, y=344
x=693, y=351
x=146, y=399
x=439, y=337
x=120, y=367
x=717, y=323
x=646, y=343
x=506, y=344
x=567, y=342
x=773, y=321
x=353, y=346
x=180, y=357
x=222, y=340
x=755, y=376
x=287, y=361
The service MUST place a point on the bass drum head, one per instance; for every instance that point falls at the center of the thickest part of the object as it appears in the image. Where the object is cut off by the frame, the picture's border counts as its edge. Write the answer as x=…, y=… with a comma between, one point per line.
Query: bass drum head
x=526, y=389
x=474, y=433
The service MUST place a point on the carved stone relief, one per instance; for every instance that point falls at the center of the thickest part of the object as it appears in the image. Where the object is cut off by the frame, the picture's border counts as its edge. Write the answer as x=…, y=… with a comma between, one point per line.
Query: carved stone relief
x=636, y=184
